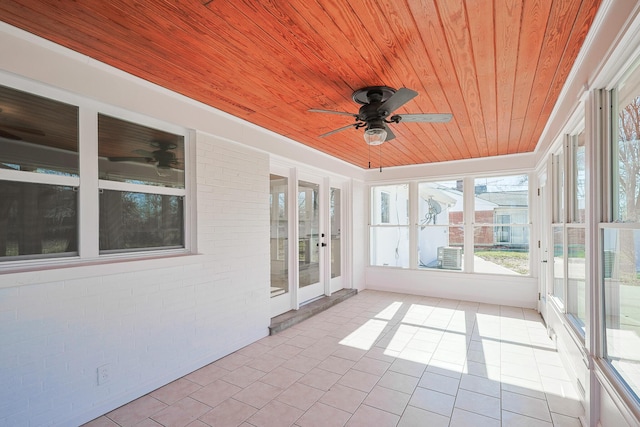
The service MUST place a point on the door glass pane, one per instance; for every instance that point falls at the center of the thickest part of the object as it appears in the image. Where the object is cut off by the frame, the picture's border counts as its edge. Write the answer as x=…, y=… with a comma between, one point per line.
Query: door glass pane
x=336, y=253
x=622, y=302
x=440, y=205
x=308, y=228
x=279, y=235
x=558, y=262
x=576, y=275
x=37, y=219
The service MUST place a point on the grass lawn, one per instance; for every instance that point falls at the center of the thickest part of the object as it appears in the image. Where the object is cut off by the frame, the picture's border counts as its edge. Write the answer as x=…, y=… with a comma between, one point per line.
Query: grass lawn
x=516, y=261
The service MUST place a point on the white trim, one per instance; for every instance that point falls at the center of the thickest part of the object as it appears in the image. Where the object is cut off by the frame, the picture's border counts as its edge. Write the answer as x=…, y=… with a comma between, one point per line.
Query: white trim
x=104, y=184
x=39, y=178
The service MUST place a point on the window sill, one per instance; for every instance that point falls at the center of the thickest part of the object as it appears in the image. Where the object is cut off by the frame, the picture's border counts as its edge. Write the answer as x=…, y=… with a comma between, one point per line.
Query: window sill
x=51, y=270
x=622, y=398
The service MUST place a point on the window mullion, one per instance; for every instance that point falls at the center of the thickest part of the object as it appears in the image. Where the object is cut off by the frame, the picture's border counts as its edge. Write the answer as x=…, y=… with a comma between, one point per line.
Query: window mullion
x=88, y=239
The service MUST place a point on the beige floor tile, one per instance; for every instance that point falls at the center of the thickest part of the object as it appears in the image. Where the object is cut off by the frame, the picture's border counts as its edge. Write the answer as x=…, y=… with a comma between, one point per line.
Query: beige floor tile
x=175, y=391
x=321, y=415
x=336, y=365
x=343, y=397
x=243, y=376
x=446, y=368
x=275, y=414
x=480, y=385
x=227, y=414
x=232, y=361
x=408, y=367
x=302, y=364
x=300, y=396
x=388, y=400
x=478, y=403
x=286, y=351
x=522, y=386
x=320, y=379
x=511, y=419
x=433, y=401
x=102, y=421
x=207, y=374
x=281, y=377
x=258, y=394
x=136, y=411
x=181, y=413
x=366, y=416
x=560, y=420
x=441, y=383
x=525, y=405
x=215, y=393
x=399, y=382
x=266, y=362
x=372, y=366
x=462, y=418
x=359, y=380
x=416, y=417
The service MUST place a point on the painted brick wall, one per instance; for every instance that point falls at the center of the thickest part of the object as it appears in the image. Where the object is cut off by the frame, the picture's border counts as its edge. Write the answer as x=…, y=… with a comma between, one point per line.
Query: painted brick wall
x=150, y=321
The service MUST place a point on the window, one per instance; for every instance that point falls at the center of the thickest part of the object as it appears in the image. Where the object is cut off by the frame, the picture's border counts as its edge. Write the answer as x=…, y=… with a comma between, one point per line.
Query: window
x=141, y=174
x=133, y=191
x=38, y=176
x=389, y=229
x=501, y=225
x=621, y=238
x=440, y=227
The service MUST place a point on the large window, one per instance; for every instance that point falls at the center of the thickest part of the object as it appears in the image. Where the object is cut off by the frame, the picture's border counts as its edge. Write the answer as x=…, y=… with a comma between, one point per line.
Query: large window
x=141, y=174
x=38, y=176
x=621, y=238
x=389, y=239
x=501, y=225
x=132, y=191
x=440, y=225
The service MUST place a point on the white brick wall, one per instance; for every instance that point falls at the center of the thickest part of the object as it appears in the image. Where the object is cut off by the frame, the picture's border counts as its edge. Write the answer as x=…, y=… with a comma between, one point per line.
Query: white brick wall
x=151, y=321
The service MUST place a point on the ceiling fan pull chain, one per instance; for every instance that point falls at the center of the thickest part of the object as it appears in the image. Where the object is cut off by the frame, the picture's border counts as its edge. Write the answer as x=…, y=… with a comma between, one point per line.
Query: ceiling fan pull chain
x=380, y=153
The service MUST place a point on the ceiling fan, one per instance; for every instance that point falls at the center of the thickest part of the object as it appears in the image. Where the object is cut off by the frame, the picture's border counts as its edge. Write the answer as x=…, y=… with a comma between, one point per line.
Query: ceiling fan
x=378, y=104
x=7, y=131
x=164, y=159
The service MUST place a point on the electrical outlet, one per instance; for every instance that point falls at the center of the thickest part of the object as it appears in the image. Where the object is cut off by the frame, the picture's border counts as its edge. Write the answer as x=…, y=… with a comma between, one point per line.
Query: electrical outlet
x=104, y=374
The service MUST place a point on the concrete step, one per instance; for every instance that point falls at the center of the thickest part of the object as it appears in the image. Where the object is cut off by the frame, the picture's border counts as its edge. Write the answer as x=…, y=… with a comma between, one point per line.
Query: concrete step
x=293, y=317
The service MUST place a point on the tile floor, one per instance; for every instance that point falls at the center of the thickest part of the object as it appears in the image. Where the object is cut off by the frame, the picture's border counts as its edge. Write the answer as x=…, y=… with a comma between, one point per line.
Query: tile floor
x=377, y=359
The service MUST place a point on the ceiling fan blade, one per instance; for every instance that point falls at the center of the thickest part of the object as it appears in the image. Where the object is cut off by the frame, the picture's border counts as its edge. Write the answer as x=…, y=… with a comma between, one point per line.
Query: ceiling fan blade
x=397, y=100
x=390, y=134
x=143, y=153
x=426, y=118
x=337, y=130
x=341, y=113
x=23, y=129
x=9, y=135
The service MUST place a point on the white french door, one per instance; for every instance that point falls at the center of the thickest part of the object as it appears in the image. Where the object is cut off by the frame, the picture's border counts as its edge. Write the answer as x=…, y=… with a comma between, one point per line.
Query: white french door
x=306, y=238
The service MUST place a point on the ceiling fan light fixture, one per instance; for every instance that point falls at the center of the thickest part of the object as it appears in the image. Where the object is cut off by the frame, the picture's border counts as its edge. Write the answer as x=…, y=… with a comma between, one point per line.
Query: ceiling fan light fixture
x=375, y=136
x=163, y=170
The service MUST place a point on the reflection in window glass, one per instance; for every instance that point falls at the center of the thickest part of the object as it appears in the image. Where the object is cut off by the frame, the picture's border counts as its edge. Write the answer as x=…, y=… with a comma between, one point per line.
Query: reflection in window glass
x=501, y=234
x=622, y=302
x=37, y=219
x=140, y=221
x=137, y=154
x=390, y=246
x=278, y=198
x=558, y=263
x=580, y=179
x=390, y=204
x=37, y=134
x=576, y=275
x=308, y=233
x=440, y=214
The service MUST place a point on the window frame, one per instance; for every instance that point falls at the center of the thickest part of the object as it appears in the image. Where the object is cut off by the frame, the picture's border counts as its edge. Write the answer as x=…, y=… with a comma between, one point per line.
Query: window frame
x=88, y=184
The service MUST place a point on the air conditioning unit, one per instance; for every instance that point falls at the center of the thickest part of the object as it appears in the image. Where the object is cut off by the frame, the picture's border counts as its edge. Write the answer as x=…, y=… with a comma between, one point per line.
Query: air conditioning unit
x=450, y=258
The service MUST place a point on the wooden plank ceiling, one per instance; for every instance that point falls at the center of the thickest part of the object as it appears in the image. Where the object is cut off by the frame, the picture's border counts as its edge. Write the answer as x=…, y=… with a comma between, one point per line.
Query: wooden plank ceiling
x=497, y=65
